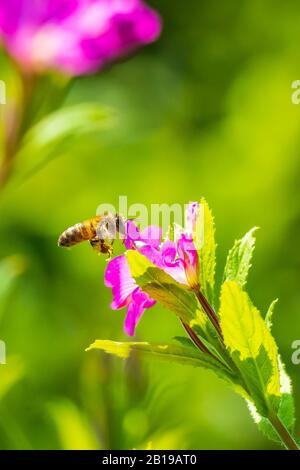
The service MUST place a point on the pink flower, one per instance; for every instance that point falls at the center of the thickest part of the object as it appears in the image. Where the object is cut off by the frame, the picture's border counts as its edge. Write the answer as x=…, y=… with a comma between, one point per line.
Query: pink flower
x=126, y=293
x=74, y=36
x=189, y=256
x=177, y=258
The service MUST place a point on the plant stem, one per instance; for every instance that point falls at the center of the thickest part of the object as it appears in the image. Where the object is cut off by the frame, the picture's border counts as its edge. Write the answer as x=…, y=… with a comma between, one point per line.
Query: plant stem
x=216, y=323
x=199, y=344
x=284, y=435
x=14, y=129
x=210, y=313
x=9, y=150
x=196, y=340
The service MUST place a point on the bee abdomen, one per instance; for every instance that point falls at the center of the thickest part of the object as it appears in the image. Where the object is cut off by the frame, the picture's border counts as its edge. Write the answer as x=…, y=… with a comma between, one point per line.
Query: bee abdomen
x=76, y=234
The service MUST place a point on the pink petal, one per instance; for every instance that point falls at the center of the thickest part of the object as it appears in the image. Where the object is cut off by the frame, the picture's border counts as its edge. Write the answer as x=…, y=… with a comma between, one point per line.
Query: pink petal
x=118, y=277
x=132, y=235
x=152, y=254
x=152, y=235
x=177, y=272
x=140, y=301
x=189, y=255
x=191, y=213
x=168, y=253
x=164, y=258
x=172, y=265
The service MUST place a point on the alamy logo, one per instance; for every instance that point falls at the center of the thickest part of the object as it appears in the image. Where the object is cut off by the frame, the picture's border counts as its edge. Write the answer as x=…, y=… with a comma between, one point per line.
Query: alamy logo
x=296, y=353
x=163, y=215
x=2, y=92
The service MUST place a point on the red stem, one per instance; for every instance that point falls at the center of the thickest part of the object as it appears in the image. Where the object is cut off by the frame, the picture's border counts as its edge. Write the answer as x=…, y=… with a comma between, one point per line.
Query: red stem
x=210, y=312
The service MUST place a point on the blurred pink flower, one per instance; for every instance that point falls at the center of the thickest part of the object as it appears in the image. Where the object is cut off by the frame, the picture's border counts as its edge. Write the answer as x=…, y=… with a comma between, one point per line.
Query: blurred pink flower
x=74, y=36
x=177, y=258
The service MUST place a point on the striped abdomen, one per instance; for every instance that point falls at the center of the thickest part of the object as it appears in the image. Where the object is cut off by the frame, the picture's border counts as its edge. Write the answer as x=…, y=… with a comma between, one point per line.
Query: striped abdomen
x=79, y=233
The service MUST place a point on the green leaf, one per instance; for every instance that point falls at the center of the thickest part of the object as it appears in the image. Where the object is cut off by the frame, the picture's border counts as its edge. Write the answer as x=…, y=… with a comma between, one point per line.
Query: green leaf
x=79, y=118
x=205, y=240
x=173, y=353
x=10, y=268
x=73, y=428
x=185, y=341
x=251, y=346
x=11, y=374
x=286, y=409
x=59, y=131
x=269, y=314
x=164, y=289
x=239, y=259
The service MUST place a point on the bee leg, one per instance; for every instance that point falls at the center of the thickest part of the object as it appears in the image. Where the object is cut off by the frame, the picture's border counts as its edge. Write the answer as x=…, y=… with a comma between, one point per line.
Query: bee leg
x=106, y=248
x=96, y=245
x=102, y=246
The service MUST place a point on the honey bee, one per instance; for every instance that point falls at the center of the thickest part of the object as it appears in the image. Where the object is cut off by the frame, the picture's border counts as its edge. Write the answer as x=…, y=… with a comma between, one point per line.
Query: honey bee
x=100, y=231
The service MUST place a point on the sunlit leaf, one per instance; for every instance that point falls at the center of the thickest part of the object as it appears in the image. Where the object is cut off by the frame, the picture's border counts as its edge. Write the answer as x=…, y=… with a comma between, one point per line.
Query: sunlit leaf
x=169, y=352
x=207, y=250
x=239, y=259
x=286, y=409
x=251, y=345
x=269, y=315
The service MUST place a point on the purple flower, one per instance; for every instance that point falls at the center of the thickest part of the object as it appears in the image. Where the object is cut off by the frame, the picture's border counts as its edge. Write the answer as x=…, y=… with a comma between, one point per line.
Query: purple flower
x=126, y=293
x=177, y=258
x=189, y=256
x=74, y=36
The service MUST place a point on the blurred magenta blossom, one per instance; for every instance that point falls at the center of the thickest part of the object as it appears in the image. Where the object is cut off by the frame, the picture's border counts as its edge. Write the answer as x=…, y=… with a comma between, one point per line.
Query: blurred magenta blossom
x=178, y=258
x=74, y=36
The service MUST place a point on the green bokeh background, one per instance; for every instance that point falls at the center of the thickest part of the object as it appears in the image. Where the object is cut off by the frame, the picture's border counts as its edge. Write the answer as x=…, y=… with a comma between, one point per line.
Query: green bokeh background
x=205, y=111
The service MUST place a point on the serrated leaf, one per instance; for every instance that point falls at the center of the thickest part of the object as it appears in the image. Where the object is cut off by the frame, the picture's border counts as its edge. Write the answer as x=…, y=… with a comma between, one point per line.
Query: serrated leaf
x=184, y=341
x=187, y=342
x=172, y=353
x=164, y=289
x=269, y=314
x=207, y=249
x=286, y=409
x=251, y=346
x=239, y=259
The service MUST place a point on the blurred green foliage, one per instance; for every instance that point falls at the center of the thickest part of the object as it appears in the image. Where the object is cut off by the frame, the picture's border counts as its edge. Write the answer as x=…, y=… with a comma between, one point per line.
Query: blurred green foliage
x=205, y=111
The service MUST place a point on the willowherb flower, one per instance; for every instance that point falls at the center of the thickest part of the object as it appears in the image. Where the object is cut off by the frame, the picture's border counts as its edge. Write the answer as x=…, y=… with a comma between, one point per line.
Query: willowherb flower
x=178, y=258
x=74, y=36
x=235, y=342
